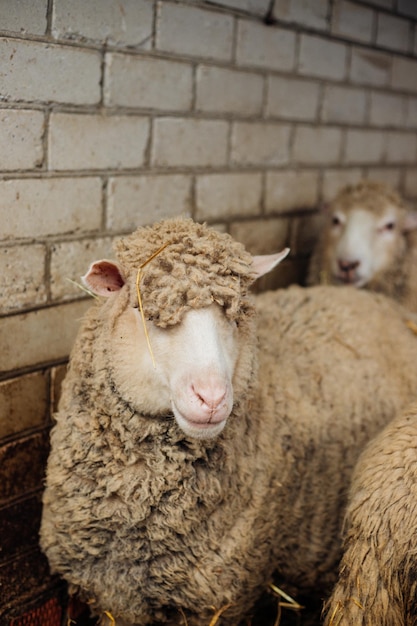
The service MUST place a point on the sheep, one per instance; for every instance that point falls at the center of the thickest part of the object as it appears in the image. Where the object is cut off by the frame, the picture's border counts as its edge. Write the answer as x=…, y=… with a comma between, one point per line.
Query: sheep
x=185, y=470
x=378, y=581
x=368, y=240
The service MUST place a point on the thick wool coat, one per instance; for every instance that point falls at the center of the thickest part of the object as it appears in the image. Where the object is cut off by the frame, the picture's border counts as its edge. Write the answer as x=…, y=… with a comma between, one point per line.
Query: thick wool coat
x=151, y=525
x=378, y=581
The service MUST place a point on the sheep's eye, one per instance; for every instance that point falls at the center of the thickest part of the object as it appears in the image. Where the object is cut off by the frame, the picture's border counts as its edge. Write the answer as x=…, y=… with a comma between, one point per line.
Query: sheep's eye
x=336, y=220
x=389, y=226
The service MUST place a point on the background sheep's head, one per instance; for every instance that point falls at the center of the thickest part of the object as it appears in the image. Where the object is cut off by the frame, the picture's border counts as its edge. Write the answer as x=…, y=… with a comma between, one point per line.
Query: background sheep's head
x=365, y=234
x=193, y=284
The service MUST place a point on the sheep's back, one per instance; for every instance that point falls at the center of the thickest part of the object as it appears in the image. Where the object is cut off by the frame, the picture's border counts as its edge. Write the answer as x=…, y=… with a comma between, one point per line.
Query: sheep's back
x=336, y=364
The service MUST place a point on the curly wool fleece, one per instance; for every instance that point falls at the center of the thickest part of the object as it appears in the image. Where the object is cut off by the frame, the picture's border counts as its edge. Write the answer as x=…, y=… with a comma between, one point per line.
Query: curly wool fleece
x=208, y=266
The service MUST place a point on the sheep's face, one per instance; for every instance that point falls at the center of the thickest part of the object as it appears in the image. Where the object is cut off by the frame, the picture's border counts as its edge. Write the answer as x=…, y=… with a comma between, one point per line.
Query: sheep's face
x=362, y=244
x=188, y=369
x=189, y=373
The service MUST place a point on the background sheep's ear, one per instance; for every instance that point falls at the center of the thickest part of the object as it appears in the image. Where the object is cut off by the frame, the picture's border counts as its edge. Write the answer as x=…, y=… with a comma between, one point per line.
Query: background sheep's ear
x=410, y=222
x=266, y=262
x=103, y=278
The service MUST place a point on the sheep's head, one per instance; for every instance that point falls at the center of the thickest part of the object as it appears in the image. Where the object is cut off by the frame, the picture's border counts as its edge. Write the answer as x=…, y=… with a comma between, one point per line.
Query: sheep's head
x=365, y=233
x=197, y=316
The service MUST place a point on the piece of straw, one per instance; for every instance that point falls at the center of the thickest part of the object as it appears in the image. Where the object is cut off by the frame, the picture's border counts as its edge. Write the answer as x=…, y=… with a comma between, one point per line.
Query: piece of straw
x=111, y=618
x=90, y=293
x=218, y=614
x=138, y=277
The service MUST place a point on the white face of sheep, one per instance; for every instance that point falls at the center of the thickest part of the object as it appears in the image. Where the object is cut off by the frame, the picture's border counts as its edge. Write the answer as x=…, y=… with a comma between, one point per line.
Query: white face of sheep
x=191, y=373
x=363, y=244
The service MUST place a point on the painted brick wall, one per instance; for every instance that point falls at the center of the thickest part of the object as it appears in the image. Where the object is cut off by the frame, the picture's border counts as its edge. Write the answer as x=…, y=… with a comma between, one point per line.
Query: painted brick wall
x=115, y=113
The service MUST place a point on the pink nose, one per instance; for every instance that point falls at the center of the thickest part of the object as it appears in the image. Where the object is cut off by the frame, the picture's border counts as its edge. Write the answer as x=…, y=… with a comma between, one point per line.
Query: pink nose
x=212, y=400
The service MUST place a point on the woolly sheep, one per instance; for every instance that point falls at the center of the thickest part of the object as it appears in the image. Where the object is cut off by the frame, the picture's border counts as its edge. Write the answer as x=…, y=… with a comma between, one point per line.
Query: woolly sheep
x=368, y=240
x=153, y=518
x=378, y=577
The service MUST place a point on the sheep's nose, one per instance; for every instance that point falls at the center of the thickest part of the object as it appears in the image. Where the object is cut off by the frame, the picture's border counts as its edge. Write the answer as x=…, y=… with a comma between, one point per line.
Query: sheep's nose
x=348, y=266
x=211, y=396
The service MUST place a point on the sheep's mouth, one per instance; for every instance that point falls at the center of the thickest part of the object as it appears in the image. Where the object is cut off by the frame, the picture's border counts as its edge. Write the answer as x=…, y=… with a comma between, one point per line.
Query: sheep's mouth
x=199, y=429
x=348, y=279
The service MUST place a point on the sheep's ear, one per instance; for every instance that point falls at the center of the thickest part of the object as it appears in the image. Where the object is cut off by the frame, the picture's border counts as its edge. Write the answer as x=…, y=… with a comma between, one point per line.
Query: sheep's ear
x=264, y=263
x=103, y=278
x=410, y=222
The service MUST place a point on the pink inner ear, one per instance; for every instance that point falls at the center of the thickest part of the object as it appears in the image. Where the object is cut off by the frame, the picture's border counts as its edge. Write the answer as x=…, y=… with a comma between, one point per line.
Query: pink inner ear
x=103, y=278
x=264, y=263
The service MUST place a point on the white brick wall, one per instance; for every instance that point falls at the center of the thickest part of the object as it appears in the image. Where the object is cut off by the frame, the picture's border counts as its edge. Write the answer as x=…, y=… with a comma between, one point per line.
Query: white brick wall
x=235, y=194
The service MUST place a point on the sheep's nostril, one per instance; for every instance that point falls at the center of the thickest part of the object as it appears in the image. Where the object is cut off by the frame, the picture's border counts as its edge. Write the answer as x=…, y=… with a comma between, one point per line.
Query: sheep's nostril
x=348, y=266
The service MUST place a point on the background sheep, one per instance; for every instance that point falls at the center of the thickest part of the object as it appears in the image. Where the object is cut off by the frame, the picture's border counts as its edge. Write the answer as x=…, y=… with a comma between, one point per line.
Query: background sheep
x=154, y=517
x=368, y=241
x=378, y=581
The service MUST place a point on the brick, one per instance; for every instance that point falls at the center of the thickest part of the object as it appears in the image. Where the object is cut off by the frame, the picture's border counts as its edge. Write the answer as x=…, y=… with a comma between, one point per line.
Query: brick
x=24, y=17
x=22, y=276
x=209, y=34
x=260, y=144
x=387, y=109
x=23, y=403
x=70, y=260
x=97, y=141
x=344, y=105
x=21, y=131
x=393, y=32
x=309, y=13
x=31, y=206
x=335, y=179
x=304, y=233
x=410, y=182
x=189, y=142
x=23, y=579
x=390, y=176
x=33, y=71
x=39, y=336
x=322, y=58
x=408, y=7
x=20, y=520
x=317, y=144
x=262, y=236
x=353, y=21
x=140, y=200
x=231, y=194
x=290, y=191
x=364, y=146
x=135, y=81
x=369, y=67
x=404, y=74
x=226, y=91
x=290, y=98
x=265, y=46
x=401, y=147
x=411, y=115
x=127, y=22
x=22, y=466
